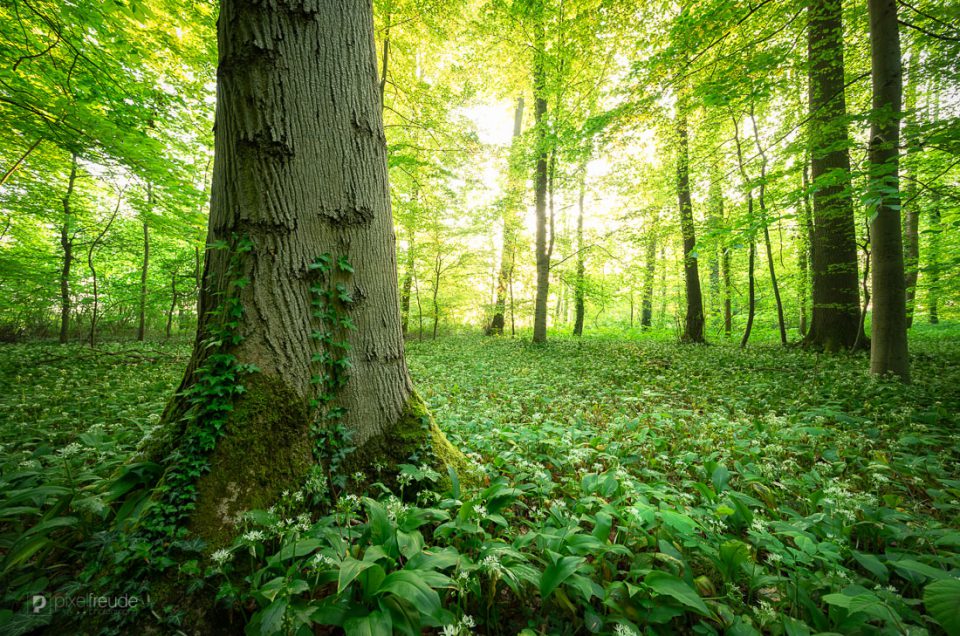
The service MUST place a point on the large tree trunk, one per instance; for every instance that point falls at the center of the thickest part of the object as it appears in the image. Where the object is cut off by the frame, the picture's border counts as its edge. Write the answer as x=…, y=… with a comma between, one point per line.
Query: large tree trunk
x=66, y=243
x=540, y=190
x=509, y=231
x=693, y=326
x=835, y=323
x=579, y=281
x=888, y=341
x=300, y=196
x=144, y=269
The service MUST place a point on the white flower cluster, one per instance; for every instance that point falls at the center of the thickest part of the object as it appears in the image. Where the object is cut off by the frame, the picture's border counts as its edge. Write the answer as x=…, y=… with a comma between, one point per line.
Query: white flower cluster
x=221, y=556
x=491, y=564
x=463, y=626
x=71, y=449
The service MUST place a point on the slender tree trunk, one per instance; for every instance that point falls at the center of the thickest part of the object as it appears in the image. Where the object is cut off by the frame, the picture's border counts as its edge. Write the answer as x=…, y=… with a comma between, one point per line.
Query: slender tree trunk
x=540, y=189
x=836, y=300
x=578, y=284
x=751, y=260
x=888, y=342
x=751, y=286
x=513, y=318
x=649, y=272
x=662, y=316
x=438, y=263
x=933, y=267
x=911, y=201
x=142, y=314
x=865, y=283
x=693, y=326
x=93, y=271
x=408, y=275
x=300, y=193
x=509, y=229
x=66, y=244
x=804, y=241
x=727, y=294
x=173, y=303
x=715, y=222
x=766, y=229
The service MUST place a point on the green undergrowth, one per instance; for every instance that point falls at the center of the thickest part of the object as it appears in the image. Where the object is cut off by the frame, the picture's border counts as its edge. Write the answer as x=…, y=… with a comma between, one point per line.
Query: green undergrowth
x=630, y=485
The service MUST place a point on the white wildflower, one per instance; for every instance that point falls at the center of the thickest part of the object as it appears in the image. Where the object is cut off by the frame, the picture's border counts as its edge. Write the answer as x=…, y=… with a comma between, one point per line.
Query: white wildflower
x=221, y=556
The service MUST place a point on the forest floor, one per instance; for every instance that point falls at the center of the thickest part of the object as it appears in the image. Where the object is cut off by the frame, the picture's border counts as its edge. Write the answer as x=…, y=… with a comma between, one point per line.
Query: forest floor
x=644, y=483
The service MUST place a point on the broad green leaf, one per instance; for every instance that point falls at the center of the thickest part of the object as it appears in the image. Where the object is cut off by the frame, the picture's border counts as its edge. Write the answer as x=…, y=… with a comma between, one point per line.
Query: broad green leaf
x=666, y=584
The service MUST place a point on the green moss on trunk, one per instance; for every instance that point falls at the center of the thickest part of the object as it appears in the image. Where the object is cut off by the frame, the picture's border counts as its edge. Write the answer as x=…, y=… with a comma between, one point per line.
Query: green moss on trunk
x=266, y=449
x=415, y=434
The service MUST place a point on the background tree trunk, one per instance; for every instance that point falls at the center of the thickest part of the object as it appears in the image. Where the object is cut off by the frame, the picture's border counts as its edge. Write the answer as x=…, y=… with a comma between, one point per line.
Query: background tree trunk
x=509, y=232
x=300, y=172
x=142, y=313
x=579, y=281
x=835, y=322
x=408, y=275
x=649, y=272
x=888, y=342
x=540, y=189
x=911, y=199
x=693, y=326
x=66, y=244
x=933, y=262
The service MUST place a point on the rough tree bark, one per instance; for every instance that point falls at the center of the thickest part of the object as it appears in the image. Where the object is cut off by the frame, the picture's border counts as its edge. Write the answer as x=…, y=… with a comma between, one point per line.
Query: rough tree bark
x=66, y=244
x=835, y=322
x=693, y=325
x=888, y=341
x=300, y=172
x=509, y=230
